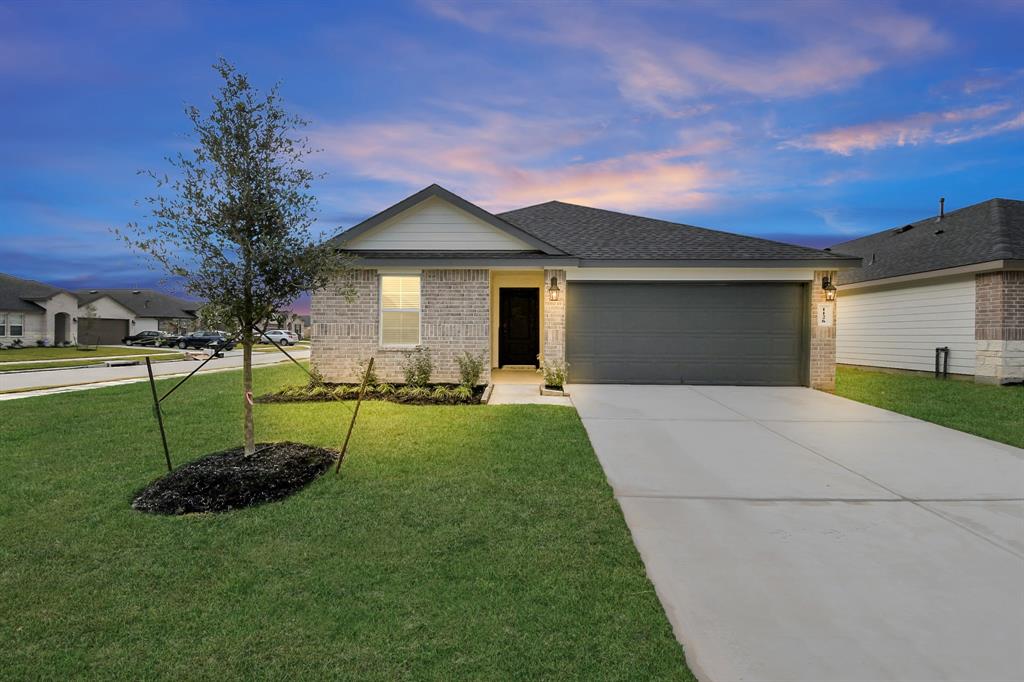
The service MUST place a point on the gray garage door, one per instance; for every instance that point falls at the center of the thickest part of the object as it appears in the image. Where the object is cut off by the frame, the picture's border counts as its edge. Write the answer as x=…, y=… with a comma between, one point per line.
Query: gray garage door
x=101, y=330
x=671, y=333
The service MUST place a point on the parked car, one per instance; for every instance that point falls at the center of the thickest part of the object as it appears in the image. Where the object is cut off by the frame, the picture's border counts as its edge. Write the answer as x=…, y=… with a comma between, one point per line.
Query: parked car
x=204, y=339
x=148, y=338
x=282, y=337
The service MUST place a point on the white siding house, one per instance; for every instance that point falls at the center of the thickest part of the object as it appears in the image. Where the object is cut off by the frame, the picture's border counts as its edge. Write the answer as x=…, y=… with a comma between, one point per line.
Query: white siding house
x=901, y=326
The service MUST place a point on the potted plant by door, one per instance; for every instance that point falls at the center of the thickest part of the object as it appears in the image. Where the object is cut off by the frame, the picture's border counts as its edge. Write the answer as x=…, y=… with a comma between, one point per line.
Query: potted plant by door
x=554, y=377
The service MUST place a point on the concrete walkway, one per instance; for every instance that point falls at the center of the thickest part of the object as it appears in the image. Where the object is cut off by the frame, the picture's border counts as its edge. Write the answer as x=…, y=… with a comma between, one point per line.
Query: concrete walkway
x=795, y=535
x=85, y=378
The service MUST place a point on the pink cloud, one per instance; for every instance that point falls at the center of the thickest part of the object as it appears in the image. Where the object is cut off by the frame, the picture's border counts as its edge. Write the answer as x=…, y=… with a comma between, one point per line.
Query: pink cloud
x=503, y=161
x=944, y=127
x=829, y=46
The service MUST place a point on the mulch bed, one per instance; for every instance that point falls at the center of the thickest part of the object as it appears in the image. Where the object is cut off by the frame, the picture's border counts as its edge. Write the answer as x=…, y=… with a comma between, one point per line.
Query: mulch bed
x=228, y=480
x=395, y=394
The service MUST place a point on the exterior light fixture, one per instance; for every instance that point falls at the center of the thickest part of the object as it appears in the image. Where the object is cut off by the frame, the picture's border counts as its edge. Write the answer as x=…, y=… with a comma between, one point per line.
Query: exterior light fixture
x=553, y=289
x=829, y=288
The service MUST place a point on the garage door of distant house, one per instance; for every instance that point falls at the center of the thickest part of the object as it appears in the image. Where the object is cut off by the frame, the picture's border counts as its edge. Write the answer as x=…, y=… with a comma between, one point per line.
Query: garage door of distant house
x=101, y=330
x=672, y=333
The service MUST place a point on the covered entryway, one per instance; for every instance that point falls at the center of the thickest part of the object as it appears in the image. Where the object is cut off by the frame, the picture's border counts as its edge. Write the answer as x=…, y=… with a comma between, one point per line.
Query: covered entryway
x=61, y=328
x=519, y=331
x=101, y=330
x=681, y=333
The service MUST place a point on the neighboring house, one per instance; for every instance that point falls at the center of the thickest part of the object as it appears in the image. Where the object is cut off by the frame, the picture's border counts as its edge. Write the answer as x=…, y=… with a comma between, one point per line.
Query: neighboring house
x=108, y=315
x=295, y=323
x=32, y=311
x=950, y=281
x=621, y=298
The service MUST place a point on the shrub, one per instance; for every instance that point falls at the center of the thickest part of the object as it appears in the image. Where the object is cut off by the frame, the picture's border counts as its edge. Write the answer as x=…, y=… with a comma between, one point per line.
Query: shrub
x=462, y=393
x=554, y=373
x=371, y=380
x=385, y=389
x=470, y=368
x=417, y=368
x=315, y=378
x=319, y=391
x=441, y=394
x=340, y=391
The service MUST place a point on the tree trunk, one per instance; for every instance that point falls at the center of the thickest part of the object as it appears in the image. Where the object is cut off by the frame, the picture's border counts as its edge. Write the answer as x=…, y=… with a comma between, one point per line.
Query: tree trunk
x=250, y=432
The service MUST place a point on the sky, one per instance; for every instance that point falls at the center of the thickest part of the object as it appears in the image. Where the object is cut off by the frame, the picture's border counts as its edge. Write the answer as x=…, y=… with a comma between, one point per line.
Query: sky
x=808, y=122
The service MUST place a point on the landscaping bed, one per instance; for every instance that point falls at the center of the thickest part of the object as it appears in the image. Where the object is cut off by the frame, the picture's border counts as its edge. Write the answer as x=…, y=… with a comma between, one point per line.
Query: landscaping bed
x=229, y=480
x=431, y=394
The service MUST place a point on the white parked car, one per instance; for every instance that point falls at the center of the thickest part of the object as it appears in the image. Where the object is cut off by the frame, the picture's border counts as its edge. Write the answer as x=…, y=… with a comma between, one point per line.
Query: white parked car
x=282, y=337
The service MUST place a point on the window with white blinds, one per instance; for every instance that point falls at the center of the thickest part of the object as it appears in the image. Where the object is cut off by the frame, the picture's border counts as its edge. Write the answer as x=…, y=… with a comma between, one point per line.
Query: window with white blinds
x=399, y=310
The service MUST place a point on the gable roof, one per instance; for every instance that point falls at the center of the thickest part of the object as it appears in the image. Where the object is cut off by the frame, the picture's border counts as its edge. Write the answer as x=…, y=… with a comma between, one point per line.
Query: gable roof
x=20, y=294
x=568, y=234
x=601, y=237
x=143, y=302
x=436, y=190
x=990, y=231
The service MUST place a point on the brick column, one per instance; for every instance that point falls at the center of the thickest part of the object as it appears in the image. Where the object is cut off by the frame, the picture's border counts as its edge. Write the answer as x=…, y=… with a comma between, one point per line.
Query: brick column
x=553, y=349
x=822, y=339
x=999, y=327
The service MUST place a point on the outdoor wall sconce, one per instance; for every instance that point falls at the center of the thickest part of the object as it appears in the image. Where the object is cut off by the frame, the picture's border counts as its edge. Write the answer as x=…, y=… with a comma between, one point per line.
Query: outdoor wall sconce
x=553, y=289
x=829, y=288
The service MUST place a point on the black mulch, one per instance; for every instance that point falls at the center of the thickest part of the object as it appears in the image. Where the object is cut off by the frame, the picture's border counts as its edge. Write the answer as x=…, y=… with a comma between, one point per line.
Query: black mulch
x=228, y=480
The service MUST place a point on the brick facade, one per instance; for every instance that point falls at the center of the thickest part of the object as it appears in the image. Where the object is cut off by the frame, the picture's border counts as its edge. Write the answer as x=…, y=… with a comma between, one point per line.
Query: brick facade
x=999, y=326
x=553, y=347
x=822, y=339
x=455, y=317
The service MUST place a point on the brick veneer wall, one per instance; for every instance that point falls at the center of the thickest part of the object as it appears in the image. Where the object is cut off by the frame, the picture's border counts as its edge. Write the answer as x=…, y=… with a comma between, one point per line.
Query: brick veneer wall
x=822, y=339
x=553, y=348
x=999, y=326
x=455, y=317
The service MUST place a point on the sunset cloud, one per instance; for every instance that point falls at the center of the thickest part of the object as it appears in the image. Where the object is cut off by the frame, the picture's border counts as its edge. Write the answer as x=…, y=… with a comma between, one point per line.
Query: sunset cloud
x=944, y=127
x=831, y=46
x=504, y=161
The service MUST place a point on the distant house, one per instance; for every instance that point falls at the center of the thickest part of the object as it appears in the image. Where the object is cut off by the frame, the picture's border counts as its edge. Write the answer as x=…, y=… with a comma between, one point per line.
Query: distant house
x=954, y=281
x=32, y=311
x=108, y=315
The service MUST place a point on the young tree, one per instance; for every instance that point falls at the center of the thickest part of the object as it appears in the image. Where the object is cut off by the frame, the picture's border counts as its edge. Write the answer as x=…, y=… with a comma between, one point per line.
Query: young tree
x=232, y=221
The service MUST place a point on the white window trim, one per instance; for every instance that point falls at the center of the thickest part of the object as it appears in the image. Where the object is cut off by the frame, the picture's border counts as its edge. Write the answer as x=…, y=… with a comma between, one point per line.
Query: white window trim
x=3, y=324
x=10, y=326
x=380, y=312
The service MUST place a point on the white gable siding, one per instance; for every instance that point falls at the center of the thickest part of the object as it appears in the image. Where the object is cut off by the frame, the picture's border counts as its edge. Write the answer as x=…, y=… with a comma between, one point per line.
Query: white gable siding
x=436, y=225
x=901, y=327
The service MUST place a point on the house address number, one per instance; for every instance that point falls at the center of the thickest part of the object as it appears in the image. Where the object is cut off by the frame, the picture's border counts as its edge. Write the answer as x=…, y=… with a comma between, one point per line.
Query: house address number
x=825, y=314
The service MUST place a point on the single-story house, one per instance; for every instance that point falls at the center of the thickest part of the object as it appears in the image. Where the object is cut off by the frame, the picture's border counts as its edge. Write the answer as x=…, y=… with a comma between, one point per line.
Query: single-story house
x=955, y=280
x=106, y=316
x=32, y=311
x=620, y=298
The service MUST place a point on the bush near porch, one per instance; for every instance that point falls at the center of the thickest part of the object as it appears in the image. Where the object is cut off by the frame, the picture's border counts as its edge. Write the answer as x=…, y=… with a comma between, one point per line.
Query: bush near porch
x=458, y=543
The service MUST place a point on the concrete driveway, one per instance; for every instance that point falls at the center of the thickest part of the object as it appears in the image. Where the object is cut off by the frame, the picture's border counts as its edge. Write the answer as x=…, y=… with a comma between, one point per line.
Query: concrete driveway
x=795, y=535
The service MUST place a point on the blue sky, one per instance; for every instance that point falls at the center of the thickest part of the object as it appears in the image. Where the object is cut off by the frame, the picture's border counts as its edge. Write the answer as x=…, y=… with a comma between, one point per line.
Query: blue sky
x=807, y=122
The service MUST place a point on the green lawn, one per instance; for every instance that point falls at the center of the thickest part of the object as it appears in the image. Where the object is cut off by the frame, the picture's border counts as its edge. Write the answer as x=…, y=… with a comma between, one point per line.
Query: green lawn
x=995, y=412
x=65, y=364
x=37, y=353
x=459, y=543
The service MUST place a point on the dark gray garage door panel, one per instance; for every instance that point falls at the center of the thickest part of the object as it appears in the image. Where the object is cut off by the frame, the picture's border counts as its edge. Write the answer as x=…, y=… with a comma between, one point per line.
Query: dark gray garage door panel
x=101, y=330
x=669, y=333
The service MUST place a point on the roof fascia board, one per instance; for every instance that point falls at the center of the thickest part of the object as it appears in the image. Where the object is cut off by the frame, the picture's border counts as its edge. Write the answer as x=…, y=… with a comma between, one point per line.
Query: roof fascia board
x=455, y=200
x=817, y=263
x=467, y=262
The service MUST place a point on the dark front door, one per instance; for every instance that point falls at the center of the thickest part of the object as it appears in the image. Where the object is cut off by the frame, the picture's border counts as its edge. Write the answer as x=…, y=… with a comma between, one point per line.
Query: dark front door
x=519, y=319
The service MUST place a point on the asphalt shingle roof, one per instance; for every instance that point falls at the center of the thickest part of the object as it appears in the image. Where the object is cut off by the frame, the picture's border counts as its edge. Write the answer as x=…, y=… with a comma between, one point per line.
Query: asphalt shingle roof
x=17, y=294
x=597, y=234
x=989, y=231
x=143, y=302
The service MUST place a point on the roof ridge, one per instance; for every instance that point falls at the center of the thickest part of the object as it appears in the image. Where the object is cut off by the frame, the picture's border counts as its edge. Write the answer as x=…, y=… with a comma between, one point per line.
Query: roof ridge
x=1003, y=242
